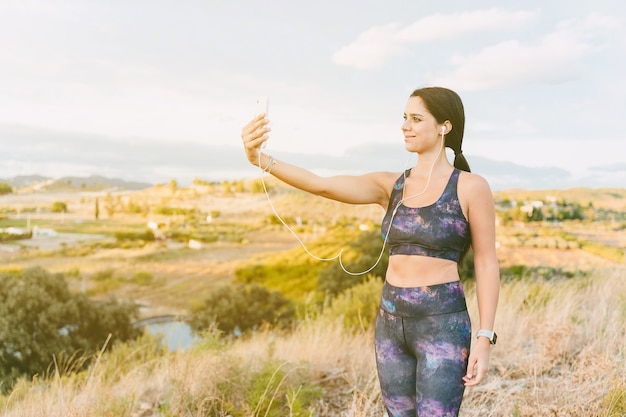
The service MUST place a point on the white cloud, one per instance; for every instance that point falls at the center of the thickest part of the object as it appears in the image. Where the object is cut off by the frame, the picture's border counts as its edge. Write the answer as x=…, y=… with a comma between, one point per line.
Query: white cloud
x=555, y=57
x=371, y=49
x=441, y=26
x=374, y=47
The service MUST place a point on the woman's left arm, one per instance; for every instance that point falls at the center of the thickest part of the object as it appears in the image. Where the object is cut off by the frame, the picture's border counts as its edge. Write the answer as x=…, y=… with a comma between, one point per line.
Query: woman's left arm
x=481, y=215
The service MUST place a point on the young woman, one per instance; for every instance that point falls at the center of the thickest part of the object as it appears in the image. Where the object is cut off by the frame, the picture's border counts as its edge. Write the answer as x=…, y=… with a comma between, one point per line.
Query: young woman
x=435, y=211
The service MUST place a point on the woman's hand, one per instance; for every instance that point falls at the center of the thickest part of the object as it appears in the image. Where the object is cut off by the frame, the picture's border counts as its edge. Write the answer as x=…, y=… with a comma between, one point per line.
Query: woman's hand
x=478, y=364
x=254, y=134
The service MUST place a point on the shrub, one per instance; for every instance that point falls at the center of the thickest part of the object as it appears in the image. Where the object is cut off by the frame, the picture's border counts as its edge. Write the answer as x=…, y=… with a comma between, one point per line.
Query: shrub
x=358, y=305
x=146, y=236
x=41, y=319
x=243, y=307
x=59, y=207
x=173, y=211
x=12, y=236
x=5, y=188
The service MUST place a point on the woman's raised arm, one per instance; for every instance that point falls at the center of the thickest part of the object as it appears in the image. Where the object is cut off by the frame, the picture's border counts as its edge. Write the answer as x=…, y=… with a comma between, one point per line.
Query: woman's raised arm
x=371, y=188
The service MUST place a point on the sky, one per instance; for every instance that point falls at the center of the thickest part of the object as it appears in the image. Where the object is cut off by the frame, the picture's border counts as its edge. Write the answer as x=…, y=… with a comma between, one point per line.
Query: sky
x=153, y=90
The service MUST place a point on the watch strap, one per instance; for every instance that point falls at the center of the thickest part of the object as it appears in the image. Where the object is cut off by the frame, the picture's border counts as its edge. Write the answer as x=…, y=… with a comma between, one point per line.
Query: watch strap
x=489, y=334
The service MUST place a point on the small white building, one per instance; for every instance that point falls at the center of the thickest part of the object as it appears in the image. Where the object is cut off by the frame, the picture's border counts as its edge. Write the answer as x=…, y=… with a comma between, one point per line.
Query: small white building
x=40, y=232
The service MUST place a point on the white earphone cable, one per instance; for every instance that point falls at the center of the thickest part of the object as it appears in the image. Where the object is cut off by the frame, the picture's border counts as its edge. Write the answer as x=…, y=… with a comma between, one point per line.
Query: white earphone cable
x=339, y=255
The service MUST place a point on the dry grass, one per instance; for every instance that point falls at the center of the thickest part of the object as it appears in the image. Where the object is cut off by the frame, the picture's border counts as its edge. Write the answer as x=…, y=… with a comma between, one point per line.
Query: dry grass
x=561, y=348
x=561, y=352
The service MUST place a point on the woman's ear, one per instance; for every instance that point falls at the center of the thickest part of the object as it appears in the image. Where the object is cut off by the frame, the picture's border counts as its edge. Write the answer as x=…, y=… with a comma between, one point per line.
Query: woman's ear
x=445, y=128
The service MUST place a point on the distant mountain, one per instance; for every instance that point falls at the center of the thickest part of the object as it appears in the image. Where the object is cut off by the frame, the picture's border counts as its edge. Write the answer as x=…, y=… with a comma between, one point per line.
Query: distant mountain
x=92, y=182
x=501, y=175
x=24, y=180
x=97, y=180
x=508, y=175
x=55, y=154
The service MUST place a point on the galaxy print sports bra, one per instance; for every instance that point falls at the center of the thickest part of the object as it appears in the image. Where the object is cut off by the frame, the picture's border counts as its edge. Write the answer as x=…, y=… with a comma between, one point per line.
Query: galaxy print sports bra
x=439, y=230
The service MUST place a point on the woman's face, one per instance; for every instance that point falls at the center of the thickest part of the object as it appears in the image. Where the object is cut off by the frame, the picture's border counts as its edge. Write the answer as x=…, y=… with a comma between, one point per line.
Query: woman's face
x=420, y=129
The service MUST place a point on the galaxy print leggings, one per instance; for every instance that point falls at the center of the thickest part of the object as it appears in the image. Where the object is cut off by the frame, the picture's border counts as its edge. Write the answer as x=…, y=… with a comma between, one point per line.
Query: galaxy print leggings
x=422, y=346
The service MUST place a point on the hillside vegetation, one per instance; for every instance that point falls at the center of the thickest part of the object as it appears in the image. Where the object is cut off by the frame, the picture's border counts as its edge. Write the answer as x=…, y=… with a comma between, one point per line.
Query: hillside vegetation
x=561, y=352
x=302, y=341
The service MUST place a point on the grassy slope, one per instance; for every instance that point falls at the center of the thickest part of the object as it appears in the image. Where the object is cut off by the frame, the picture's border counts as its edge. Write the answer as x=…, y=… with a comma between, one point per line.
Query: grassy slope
x=561, y=350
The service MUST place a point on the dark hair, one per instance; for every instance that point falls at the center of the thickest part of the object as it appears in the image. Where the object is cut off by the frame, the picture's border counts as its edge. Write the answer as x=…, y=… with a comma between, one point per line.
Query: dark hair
x=445, y=104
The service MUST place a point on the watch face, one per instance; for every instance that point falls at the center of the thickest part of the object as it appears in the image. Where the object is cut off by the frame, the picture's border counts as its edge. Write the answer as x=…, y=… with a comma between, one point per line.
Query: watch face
x=494, y=338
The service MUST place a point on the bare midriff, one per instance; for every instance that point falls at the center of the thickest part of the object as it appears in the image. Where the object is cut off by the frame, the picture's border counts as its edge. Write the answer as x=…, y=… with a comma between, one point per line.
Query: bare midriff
x=420, y=271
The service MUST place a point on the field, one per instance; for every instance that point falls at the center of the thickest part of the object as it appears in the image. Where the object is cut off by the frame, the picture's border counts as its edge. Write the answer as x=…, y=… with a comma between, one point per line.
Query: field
x=561, y=352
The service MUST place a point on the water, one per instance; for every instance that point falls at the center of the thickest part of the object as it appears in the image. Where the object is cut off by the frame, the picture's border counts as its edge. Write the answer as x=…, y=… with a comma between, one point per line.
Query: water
x=176, y=335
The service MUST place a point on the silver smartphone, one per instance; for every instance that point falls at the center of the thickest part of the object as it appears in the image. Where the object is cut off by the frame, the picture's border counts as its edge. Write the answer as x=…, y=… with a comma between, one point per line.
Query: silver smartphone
x=262, y=105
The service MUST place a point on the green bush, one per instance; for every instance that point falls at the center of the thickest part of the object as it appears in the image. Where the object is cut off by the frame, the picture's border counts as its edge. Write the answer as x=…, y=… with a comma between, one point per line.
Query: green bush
x=5, y=188
x=358, y=305
x=184, y=236
x=40, y=319
x=5, y=237
x=172, y=211
x=242, y=307
x=146, y=236
x=59, y=207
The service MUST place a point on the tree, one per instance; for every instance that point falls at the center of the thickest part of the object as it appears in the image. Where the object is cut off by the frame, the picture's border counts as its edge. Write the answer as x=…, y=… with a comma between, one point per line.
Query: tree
x=243, y=306
x=5, y=188
x=59, y=207
x=41, y=319
x=173, y=186
x=109, y=205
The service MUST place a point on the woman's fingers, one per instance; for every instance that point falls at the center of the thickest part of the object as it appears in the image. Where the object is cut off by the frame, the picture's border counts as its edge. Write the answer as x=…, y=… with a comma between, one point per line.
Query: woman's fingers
x=254, y=133
x=477, y=367
x=475, y=377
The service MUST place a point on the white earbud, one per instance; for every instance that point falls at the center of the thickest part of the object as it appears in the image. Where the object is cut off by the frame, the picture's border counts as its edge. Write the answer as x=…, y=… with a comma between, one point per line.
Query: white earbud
x=443, y=130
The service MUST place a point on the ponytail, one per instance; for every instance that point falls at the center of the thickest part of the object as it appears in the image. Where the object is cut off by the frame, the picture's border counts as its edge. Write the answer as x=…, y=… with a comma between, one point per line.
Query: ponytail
x=460, y=162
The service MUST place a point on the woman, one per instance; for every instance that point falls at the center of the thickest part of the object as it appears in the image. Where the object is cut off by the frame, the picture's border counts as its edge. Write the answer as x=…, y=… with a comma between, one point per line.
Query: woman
x=435, y=211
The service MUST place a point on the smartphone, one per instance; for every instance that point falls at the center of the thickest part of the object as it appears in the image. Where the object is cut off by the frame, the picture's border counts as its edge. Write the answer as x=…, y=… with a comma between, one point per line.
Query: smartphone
x=262, y=105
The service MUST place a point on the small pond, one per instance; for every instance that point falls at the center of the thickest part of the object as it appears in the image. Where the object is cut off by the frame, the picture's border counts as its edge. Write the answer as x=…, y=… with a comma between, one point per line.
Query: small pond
x=176, y=335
